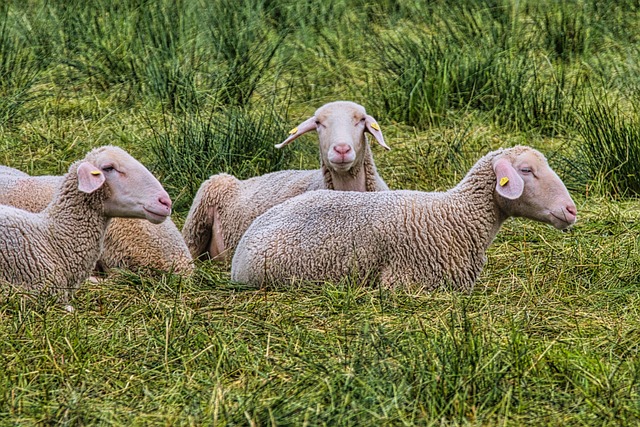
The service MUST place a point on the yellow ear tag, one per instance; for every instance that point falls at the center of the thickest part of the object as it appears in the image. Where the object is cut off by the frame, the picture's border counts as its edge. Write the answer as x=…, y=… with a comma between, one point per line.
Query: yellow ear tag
x=375, y=126
x=292, y=131
x=96, y=172
x=503, y=181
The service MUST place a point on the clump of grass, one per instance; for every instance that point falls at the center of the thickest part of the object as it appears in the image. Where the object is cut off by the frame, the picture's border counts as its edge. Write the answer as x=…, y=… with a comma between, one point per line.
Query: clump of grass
x=20, y=70
x=609, y=149
x=243, y=48
x=144, y=51
x=427, y=71
x=192, y=147
x=530, y=93
x=436, y=160
x=165, y=60
x=425, y=80
x=176, y=53
x=324, y=56
x=415, y=86
x=475, y=56
x=565, y=29
x=95, y=50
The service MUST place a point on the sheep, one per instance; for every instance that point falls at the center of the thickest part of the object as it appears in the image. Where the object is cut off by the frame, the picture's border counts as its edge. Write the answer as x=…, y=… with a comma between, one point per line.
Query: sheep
x=403, y=237
x=23, y=191
x=6, y=170
x=224, y=206
x=52, y=252
x=129, y=243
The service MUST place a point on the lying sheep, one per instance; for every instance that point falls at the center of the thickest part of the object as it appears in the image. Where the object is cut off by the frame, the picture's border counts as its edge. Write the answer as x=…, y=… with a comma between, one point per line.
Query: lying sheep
x=6, y=170
x=403, y=237
x=224, y=206
x=55, y=250
x=129, y=243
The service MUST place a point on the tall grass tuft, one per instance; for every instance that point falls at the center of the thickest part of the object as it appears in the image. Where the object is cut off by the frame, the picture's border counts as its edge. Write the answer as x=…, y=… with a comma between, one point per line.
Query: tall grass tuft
x=165, y=61
x=531, y=93
x=194, y=146
x=610, y=149
x=243, y=47
x=473, y=56
x=564, y=29
x=20, y=70
x=415, y=84
x=144, y=50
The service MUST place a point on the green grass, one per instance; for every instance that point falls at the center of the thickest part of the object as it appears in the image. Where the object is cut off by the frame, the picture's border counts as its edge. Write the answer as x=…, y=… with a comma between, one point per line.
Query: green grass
x=549, y=335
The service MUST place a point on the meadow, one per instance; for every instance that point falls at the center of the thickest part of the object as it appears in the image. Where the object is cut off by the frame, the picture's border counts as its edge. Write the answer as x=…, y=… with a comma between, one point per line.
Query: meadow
x=550, y=334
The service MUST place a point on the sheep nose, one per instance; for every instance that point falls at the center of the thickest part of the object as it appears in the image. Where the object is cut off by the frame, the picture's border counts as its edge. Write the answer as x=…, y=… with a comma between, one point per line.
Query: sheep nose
x=165, y=201
x=572, y=211
x=342, y=149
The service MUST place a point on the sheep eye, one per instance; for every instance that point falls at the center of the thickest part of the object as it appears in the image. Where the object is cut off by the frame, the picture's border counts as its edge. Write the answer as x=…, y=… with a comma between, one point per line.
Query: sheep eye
x=318, y=123
x=525, y=170
x=108, y=169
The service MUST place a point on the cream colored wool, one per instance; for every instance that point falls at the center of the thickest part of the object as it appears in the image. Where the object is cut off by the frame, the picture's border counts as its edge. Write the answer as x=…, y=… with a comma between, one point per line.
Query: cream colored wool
x=129, y=243
x=225, y=206
x=402, y=237
x=55, y=250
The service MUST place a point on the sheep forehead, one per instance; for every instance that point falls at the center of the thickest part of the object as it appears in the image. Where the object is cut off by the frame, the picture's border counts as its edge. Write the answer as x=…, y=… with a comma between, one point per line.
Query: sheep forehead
x=533, y=158
x=340, y=109
x=522, y=154
x=109, y=154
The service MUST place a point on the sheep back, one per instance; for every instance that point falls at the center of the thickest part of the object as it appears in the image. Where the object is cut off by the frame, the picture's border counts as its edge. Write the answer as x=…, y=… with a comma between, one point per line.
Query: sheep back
x=400, y=237
x=135, y=244
x=237, y=203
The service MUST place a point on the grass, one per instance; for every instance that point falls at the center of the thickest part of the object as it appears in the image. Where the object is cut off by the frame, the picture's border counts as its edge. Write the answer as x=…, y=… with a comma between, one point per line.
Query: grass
x=234, y=140
x=548, y=336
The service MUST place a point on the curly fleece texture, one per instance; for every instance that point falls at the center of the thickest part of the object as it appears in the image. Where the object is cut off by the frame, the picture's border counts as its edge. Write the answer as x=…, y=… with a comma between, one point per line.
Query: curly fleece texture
x=240, y=202
x=131, y=244
x=401, y=237
x=54, y=251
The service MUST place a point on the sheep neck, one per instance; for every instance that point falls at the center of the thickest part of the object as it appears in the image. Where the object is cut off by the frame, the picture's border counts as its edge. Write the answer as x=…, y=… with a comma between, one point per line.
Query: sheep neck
x=77, y=223
x=477, y=189
x=360, y=177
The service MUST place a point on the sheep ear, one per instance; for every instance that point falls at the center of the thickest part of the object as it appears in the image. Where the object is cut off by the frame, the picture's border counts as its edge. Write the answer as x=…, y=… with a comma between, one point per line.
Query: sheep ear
x=373, y=128
x=90, y=178
x=509, y=184
x=304, y=127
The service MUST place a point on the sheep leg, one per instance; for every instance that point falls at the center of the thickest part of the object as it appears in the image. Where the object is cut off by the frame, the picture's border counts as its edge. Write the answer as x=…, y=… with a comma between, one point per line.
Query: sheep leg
x=197, y=230
x=217, y=249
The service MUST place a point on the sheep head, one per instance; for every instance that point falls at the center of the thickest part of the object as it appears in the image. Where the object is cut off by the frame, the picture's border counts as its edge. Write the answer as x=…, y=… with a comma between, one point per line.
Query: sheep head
x=341, y=126
x=526, y=186
x=133, y=191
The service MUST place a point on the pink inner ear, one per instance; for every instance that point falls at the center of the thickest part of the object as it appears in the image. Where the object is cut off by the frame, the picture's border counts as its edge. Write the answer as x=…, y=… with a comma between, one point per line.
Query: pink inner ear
x=89, y=182
x=509, y=184
x=304, y=127
x=370, y=122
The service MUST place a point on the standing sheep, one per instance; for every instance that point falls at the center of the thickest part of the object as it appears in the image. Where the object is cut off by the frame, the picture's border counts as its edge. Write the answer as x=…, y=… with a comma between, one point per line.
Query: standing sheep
x=224, y=206
x=55, y=250
x=129, y=243
x=404, y=237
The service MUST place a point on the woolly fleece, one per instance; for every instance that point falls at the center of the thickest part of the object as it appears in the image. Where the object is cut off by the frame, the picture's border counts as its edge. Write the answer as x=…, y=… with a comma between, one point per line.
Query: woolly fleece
x=129, y=243
x=401, y=237
x=235, y=204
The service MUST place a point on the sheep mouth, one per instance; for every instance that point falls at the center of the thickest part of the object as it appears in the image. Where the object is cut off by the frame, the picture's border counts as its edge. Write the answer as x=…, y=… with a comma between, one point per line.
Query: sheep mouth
x=562, y=223
x=343, y=164
x=155, y=217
